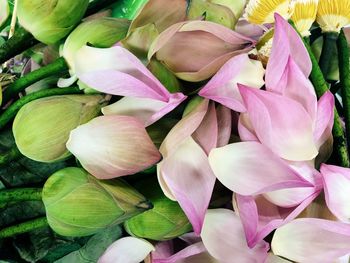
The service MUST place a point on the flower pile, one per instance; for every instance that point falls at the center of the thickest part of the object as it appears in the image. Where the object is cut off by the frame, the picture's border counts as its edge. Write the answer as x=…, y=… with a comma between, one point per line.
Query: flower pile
x=174, y=131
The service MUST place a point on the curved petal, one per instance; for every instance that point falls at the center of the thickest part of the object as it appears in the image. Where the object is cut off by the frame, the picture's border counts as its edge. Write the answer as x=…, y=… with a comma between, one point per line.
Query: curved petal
x=250, y=168
x=223, y=236
x=222, y=87
x=245, y=128
x=113, y=146
x=281, y=124
x=312, y=240
x=224, y=117
x=127, y=250
x=190, y=181
x=336, y=188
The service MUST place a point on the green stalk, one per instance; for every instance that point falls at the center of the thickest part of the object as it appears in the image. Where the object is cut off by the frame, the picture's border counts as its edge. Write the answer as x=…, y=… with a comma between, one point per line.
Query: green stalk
x=20, y=194
x=328, y=50
x=9, y=156
x=58, y=66
x=12, y=110
x=344, y=73
x=23, y=227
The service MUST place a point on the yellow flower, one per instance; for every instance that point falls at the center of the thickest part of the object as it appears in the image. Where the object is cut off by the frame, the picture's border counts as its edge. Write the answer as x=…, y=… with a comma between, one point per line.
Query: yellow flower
x=332, y=15
x=304, y=15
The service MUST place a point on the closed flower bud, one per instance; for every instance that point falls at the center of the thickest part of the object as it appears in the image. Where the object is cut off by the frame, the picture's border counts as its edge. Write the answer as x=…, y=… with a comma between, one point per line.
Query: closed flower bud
x=41, y=127
x=165, y=221
x=50, y=21
x=77, y=204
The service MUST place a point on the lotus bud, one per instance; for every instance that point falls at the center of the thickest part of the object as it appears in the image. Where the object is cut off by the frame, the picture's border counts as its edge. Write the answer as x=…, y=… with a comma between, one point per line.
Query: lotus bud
x=219, y=14
x=4, y=11
x=41, y=127
x=165, y=221
x=50, y=21
x=102, y=32
x=77, y=204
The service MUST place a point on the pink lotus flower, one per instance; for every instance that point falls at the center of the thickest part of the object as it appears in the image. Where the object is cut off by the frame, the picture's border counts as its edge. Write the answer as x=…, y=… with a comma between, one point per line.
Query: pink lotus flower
x=116, y=71
x=184, y=172
x=195, y=50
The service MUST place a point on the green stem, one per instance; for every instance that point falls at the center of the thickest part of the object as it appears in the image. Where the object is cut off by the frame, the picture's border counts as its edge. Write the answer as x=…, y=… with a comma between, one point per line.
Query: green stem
x=12, y=110
x=328, y=50
x=58, y=66
x=23, y=227
x=19, y=42
x=9, y=156
x=344, y=74
x=20, y=194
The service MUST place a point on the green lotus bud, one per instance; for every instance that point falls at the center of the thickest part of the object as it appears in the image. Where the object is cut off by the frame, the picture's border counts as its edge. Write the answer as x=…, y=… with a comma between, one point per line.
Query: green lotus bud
x=50, y=21
x=192, y=104
x=41, y=127
x=165, y=221
x=77, y=204
x=101, y=32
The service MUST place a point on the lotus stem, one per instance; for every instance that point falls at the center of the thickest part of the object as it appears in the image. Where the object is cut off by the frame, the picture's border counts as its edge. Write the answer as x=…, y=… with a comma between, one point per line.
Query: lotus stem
x=328, y=51
x=23, y=227
x=9, y=156
x=20, y=194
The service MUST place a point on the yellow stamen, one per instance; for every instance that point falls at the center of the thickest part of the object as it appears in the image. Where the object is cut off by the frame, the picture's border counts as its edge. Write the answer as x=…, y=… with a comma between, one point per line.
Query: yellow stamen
x=332, y=15
x=262, y=11
x=304, y=15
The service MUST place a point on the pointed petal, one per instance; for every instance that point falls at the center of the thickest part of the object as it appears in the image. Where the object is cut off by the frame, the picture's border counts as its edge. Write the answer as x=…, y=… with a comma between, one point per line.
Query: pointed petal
x=223, y=244
x=286, y=43
x=222, y=87
x=224, y=117
x=250, y=168
x=113, y=146
x=312, y=240
x=146, y=110
x=336, y=188
x=127, y=250
x=189, y=180
x=245, y=128
x=281, y=124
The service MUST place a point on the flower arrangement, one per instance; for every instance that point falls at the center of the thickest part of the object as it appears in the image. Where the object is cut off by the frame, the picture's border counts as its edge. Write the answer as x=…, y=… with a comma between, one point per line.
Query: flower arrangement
x=175, y=131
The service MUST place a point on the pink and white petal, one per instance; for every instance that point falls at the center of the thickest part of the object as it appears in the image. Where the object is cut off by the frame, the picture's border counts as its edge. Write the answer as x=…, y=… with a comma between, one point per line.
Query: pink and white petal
x=190, y=180
x=127, y=250
x=113, y=146
x=206, y=135
x=224, y=117
x=250, y=30
x=225, y=245
x=271, y=258
x=146, y=110
x=336, y=188
x=90, y=60
x=245, y=128
x=184, y=128
x=312, y=240
x=325, y=118
x=281, y=124
x=250, y=168
x=223, y=86
x=286, y=43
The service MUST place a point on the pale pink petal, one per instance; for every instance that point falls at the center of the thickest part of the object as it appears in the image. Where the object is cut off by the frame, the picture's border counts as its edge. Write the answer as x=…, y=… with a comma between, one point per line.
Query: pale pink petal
x=250, y=168
x=325, y=119
x=186, y=174
x=337, y=188
x=286, y=43
x=281, y=124
x=260, y=217
x=312, y=240
x=224, y=238
x=113, y=146
x=224, y=117
x=250, y=30
x=127, y=250
x=274, y=259
x=206, y=135
x=245, y=128
x=146, y=110
x=222, y=87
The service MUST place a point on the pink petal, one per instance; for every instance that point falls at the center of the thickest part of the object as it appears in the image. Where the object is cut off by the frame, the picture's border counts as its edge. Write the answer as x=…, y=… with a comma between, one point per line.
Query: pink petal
x=223, y=236
x=113, y=146
x=336, y=188
x=281, y=124
x=127, y=250
x=250, y=168
x=325, y=119
x=146, y=110
x=312, y=240
x=224, y=117
x=245, y=128
x=222, y=87
x=190, y=181
x=286, y=44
